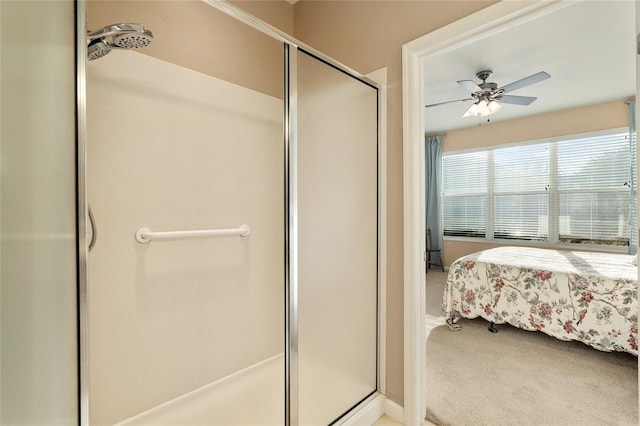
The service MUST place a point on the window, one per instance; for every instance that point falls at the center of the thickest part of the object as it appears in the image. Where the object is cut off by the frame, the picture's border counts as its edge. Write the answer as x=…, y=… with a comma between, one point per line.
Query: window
x=464, y=184
x=520, y=192
x=570, y=191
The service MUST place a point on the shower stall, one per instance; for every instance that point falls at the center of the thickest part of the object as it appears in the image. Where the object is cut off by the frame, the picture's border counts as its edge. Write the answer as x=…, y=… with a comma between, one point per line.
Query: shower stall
x=228, y=208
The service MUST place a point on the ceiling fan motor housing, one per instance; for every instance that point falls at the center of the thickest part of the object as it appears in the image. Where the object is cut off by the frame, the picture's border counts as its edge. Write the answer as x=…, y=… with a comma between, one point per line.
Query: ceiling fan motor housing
x=489, y=92
x=484, y=75
x=488, y=89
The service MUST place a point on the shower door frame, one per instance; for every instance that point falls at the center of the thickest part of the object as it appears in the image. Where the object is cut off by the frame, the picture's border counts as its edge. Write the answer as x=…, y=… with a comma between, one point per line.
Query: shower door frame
x=82, y=212
x=291, y=48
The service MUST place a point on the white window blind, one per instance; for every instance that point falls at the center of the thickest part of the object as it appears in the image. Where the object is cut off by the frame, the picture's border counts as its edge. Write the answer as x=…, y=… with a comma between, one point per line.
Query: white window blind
x=521, y=192
x=569, y=191
x=465, y=194
x=594, y=182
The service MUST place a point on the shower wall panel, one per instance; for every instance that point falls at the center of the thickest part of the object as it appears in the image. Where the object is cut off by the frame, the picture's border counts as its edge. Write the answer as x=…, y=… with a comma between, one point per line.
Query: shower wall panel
x=173, y=149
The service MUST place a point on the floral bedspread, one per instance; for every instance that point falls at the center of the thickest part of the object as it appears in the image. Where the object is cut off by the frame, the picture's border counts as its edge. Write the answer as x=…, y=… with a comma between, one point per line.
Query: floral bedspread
x=590, y=297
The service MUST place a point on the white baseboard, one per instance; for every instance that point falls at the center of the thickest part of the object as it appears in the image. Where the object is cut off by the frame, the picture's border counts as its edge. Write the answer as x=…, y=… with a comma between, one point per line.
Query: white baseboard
x=367, y=413
x=372, y=409
x=394, y=410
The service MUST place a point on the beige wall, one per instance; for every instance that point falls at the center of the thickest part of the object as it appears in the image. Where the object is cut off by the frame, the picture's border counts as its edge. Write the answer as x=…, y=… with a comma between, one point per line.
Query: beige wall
x=193, y=34
x=586, y=119
x=278, y=13
x=368, y=35
x=591, y=118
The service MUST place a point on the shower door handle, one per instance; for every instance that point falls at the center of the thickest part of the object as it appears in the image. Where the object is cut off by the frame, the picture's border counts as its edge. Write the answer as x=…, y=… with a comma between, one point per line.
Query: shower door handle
x=94, y=230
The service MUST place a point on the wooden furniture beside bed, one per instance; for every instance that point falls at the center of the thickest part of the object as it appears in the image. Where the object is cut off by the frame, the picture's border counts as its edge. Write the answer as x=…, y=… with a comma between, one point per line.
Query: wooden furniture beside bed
x=430, y=251
x=570, y=295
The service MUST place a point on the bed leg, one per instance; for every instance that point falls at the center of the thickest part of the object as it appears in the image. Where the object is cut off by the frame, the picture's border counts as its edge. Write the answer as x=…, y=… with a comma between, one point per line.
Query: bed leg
x=492, y=328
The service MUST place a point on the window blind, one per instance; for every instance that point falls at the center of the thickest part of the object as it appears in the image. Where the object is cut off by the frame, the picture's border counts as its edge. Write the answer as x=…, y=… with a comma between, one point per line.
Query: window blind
x=465, y=216
x=521, y=168
x=465, y=173
x=594, y=186
x=571, y=191
x=464, y=186
x=598, y=163
x=520, y=189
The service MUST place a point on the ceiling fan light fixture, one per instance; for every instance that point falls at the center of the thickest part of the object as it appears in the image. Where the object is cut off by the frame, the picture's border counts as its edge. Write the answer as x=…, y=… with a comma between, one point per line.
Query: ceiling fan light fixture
x=482, y=108
x=494, y=107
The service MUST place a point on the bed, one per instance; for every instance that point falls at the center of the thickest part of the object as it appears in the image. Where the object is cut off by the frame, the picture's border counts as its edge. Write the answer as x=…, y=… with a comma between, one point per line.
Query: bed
x=570, y=295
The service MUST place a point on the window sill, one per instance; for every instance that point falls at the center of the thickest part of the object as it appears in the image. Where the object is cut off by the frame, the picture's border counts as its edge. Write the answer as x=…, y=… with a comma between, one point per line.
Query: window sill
x=558, y=246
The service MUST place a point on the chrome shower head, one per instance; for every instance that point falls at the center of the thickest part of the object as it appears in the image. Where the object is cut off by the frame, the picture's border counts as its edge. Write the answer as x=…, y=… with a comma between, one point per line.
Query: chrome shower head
x=123, y=36
x=133, y=40
x=97, y=49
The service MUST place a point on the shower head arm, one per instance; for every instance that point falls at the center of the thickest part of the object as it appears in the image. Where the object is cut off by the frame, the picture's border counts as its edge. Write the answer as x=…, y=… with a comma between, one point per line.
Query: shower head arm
x=114, y=46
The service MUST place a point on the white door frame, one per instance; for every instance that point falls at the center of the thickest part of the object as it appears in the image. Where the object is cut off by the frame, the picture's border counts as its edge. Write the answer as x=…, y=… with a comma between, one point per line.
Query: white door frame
x=494, y=19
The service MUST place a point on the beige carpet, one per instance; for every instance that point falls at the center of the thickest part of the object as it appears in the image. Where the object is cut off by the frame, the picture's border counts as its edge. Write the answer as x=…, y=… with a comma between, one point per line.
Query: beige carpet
x=517, y=377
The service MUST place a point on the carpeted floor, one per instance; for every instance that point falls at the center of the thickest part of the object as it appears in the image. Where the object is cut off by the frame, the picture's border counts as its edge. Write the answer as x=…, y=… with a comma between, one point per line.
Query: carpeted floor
x=517, y=377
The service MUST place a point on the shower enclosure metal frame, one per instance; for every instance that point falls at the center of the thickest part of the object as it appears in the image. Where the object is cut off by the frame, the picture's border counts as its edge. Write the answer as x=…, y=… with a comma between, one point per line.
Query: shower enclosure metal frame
x=291, y=48
x=83, y=212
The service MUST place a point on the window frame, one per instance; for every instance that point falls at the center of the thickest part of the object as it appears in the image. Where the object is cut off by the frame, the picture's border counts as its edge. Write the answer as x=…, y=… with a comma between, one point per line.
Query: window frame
x=553, y=240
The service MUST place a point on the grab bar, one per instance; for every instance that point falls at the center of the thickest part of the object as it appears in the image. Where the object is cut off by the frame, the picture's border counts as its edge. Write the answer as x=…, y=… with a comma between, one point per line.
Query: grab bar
x=145, y=235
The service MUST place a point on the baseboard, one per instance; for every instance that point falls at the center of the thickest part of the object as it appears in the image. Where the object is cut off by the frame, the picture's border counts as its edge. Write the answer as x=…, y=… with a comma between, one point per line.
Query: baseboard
x=372, y=409
x=394, y=410
x=367, y=412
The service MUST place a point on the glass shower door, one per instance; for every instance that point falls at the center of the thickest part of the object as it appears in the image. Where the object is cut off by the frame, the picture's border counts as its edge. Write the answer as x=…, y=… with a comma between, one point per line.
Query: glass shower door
x=38, y=362
x=337, y=240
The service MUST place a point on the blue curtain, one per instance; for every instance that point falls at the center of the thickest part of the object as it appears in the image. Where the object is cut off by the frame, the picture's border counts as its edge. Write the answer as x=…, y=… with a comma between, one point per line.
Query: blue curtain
x=633, y=216
x=433, y=188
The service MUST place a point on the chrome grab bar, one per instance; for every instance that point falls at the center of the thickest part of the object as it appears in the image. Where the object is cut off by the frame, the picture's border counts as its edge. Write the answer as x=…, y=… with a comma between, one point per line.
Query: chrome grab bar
x=145, y=235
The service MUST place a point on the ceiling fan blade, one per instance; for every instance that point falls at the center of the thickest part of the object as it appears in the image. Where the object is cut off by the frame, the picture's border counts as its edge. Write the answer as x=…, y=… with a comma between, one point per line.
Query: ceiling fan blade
x=470, y=86
x=449, y=102
x=517, y=100
x=535, y=78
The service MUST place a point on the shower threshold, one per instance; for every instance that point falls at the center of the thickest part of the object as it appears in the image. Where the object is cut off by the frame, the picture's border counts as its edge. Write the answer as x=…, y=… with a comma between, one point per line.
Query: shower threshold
x=250, y=396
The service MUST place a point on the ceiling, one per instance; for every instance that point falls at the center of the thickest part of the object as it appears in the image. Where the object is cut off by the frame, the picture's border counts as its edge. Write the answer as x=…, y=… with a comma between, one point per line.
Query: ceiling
x=588, y=48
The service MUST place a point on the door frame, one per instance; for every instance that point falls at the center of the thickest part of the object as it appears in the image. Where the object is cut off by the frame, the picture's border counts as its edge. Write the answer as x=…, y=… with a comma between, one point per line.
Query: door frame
x=494, y=19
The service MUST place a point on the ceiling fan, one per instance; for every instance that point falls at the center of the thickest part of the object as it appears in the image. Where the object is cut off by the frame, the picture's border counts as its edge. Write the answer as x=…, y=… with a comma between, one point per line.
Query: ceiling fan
x=487, y=97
